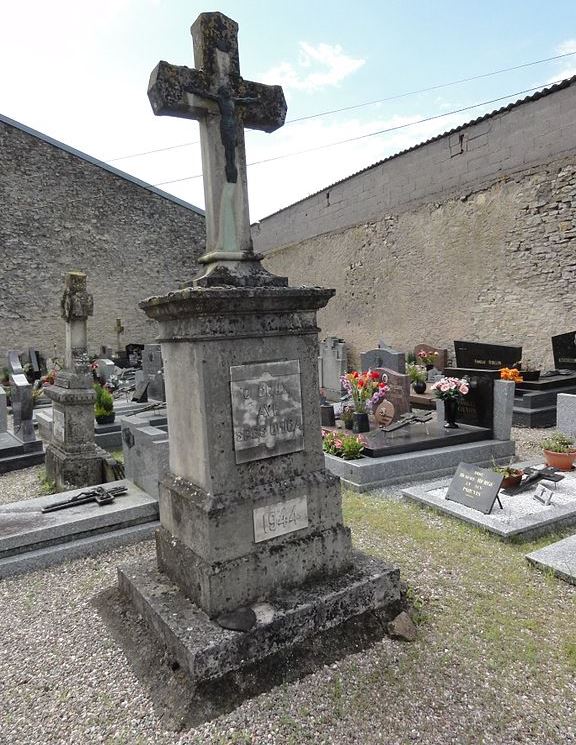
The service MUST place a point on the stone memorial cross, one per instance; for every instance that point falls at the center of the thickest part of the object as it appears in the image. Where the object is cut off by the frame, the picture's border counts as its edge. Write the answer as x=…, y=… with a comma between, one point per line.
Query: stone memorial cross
x=76, y=304
x=223, y=103
x=119, y=329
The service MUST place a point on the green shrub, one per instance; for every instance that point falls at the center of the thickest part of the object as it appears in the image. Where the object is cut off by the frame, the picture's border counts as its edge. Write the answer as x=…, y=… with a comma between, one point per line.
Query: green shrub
x=104, y=405
x=558, y=443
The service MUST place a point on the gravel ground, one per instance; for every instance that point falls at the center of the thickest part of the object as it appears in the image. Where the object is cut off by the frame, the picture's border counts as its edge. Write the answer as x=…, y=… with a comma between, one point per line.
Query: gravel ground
x=494, y=662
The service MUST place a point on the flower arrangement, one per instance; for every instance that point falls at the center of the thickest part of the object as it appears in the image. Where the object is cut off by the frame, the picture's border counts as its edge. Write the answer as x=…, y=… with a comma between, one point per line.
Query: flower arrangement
x=367, y=389
x=511, y=373
x=451, y=387
x=426, y=358
x=416, y=373
x=348, y=447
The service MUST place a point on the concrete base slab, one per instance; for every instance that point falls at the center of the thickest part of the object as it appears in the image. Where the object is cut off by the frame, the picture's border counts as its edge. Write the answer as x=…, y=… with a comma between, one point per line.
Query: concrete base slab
x=206, y=651
x=522, y=516
x=559, y=558
x=370, y=473
x=25, y=530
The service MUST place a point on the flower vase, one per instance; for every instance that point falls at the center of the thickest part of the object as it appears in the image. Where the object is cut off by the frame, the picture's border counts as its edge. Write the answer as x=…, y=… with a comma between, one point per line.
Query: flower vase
x=419, y=386
x=360, y=422
x=450, y=413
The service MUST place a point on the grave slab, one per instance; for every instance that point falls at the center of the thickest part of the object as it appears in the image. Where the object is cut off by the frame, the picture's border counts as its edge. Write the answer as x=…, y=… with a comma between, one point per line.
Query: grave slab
x=522, y=516
x=206, y=651
x=24, y=528
x=371, y=473
x=15, y=454
x=558, y=558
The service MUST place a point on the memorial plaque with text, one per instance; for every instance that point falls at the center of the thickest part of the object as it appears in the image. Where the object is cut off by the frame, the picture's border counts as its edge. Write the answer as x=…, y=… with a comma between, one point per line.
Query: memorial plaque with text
x=480, y=356
x=279, y=519
x=266, y=409
x=475, y=487
x=564, y=349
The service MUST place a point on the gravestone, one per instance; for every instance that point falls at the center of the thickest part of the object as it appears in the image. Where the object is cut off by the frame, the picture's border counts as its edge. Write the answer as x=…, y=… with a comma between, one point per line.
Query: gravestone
x=248, y=513
x=153, y=369
x=72, y=459
x=332, y=364
x=564, y=350
x=399, y=393
x=477, y=407
x=480, y=356
x=134, y=354
x=22, y=405
x=441, y=360
x=104, y=368
x=392, y=358
x=35, y=363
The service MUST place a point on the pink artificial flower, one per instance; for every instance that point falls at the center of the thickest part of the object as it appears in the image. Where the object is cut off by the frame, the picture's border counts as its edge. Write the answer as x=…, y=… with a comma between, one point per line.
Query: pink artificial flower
x=445, y=387
x=464, y=389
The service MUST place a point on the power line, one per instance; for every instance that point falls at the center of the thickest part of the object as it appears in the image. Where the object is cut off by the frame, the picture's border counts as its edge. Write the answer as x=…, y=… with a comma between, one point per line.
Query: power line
x=369, y=103
x=372, y=134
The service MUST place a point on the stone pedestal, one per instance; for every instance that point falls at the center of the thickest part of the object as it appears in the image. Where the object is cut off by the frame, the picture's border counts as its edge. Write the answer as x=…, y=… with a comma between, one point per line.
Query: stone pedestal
x=248, y=512
x=71, y=455
x=247, y=506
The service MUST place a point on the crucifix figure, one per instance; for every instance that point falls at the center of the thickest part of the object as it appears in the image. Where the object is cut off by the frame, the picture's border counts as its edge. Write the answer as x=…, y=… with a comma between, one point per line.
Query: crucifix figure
x=223, y=103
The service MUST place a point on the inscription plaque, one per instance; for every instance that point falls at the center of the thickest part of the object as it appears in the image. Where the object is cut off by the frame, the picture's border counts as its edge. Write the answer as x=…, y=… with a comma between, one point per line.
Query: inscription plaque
x=280, y=518
x=58, y=425
x=475, y=487
x=266, y=409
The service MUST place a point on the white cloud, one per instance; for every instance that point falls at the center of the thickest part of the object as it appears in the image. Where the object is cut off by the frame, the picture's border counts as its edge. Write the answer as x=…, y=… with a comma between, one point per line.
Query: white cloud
x=319, y=66
x=566, y=68
x=566, y=47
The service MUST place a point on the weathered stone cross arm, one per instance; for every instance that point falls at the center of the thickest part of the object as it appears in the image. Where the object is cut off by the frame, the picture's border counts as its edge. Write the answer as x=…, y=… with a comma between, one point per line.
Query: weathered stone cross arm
x=175, y=90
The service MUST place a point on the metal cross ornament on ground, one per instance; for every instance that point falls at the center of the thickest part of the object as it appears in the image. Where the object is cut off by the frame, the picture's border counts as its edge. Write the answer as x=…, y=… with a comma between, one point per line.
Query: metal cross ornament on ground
x=223, y=103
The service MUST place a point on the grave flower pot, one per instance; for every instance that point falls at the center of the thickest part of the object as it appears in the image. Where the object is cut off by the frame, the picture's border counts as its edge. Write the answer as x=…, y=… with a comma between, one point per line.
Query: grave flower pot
x=419, y=386
x=513, y=480
x=561, y=461
x=450, y=413
x=106, y=418
x=360, y=422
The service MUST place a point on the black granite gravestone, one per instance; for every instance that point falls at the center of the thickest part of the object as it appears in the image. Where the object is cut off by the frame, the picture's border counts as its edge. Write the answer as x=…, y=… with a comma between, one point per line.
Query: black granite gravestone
x=140, y=395
x=564, y=350
x=477, y=407
x=475, y=487
x=479, y=356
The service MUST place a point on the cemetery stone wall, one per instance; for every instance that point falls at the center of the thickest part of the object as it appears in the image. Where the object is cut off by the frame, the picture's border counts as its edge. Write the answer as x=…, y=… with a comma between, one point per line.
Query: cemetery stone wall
x=63, y=211
x=468, y=236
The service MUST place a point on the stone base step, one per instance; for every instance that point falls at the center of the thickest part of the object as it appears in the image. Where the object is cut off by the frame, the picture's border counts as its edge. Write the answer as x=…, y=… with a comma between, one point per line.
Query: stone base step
x=205, y=651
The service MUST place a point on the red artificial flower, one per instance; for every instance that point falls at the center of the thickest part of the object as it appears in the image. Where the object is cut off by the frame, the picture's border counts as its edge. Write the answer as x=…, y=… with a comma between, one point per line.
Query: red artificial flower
x=354, y=373
x=375, y=375
x=360, y=383
x=381, y=385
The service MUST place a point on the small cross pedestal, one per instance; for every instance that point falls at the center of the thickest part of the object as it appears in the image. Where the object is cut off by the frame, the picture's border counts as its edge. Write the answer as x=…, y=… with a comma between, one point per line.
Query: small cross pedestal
x=223, y=103
x=71, y=456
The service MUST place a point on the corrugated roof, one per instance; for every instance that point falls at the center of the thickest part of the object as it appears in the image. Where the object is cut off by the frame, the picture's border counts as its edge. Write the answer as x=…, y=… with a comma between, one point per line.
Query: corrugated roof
x=533, y=97
x=100, y=164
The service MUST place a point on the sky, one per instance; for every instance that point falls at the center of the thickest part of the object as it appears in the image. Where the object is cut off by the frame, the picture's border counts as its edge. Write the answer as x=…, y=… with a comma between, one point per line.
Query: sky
x=78, y=70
